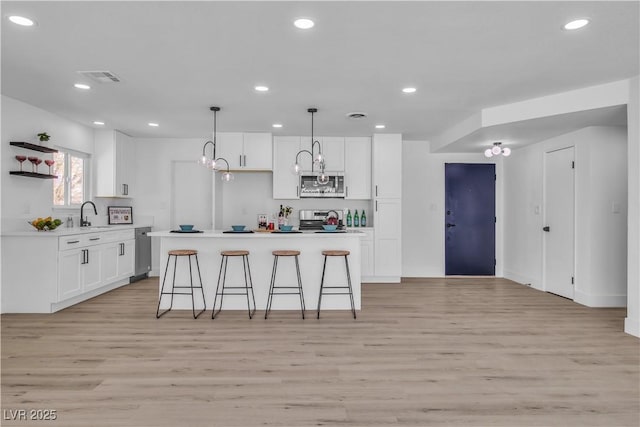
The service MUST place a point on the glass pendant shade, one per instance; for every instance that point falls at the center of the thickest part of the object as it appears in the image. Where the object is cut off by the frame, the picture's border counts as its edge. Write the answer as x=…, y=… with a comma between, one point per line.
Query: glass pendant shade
x=488, y=152
x=506, y=151
x=496, y=150
x=226, y=176
x=296, y=169
x=323, y=178
x=203, y=161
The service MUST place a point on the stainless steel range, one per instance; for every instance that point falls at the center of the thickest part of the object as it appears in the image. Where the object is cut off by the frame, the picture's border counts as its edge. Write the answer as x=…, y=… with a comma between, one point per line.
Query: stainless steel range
x=315, y=219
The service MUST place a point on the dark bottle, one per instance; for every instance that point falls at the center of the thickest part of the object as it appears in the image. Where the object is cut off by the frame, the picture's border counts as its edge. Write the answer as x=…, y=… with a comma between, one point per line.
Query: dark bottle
x=356, y=220
x=280, y=218
x=363, y=220
x=349, y=219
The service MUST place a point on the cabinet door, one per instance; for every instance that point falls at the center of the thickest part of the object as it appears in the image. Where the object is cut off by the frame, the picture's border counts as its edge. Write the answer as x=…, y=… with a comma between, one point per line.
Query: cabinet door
x=109, y=261
x=229, y=147
x=91, y=271
x=258, y=151
x=125, y=167
x=126, y=258
x=285, y=182
x=357, y=171
x=366, y=253
x=305, y=160
x=333, y=150
x=388, y=233
x=70, y=273
x=387, y=165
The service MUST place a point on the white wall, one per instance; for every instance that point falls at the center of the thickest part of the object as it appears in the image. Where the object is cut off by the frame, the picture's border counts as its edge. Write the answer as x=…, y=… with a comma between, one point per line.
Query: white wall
x=24, y=198
x=423, y=208
x=632, y=322
x=600, y=266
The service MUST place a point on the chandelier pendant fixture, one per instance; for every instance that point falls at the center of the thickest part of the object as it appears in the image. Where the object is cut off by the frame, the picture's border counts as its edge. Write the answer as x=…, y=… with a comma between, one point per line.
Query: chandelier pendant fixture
x=213, y=162
x=317, y=158
x=497, y=150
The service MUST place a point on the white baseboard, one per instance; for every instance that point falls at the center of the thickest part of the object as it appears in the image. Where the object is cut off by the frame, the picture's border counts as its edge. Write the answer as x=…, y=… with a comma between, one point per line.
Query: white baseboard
x=600, y=300
x=376, y=279
x=632, y=326
x=154, y=273
x=87, y=295
x=524, y=280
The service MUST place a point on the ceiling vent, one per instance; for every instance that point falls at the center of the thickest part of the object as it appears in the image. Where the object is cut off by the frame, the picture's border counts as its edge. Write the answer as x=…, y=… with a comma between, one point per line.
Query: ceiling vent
x=101, y=76
x=356, y=115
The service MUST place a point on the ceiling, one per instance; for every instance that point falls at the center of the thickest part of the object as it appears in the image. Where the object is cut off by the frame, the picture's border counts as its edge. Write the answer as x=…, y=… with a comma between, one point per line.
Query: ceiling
x=176, y=59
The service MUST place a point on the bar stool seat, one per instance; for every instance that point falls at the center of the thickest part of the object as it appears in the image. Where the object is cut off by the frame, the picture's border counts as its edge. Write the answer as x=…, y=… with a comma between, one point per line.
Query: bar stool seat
x=349, y=289
x=177, y=253
x=274, y=289
x=241, y=290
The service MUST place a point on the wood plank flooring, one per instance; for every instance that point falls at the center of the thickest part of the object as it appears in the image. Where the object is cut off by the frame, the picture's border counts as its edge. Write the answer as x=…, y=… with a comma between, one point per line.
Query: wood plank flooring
x=432, y=352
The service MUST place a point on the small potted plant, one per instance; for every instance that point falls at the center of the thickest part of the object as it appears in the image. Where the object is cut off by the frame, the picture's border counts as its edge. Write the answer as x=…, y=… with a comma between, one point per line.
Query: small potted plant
x=44, y=137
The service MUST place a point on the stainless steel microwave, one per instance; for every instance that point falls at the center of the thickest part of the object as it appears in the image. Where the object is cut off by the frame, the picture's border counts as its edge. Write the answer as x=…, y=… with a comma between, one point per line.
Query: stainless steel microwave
x=310, y=188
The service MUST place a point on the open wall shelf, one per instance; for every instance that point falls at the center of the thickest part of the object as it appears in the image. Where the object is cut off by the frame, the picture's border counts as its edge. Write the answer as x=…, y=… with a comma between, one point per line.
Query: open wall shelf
x=33, y=147
x=33, y=174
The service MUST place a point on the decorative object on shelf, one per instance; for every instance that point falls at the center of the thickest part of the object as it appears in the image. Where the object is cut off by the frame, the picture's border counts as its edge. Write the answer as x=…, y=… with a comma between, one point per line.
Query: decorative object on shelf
x=45, y=224
x=21, y=159
x=33, y=147
x=213, y=162
x=318, y=159
x=497, y=150
x=43, y=137
x=120, y=214
x=33, y=160
x=49, y=163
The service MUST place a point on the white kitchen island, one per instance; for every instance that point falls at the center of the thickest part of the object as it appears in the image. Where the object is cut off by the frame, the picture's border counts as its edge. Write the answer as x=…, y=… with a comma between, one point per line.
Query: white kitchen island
x=209, y=244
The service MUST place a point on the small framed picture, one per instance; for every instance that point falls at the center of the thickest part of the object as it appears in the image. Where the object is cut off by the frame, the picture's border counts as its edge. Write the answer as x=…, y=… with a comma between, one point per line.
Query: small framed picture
x=120, y=214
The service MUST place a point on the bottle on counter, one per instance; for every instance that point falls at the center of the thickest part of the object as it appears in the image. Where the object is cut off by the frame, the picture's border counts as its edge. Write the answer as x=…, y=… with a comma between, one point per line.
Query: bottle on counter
x=349, y=218
x=70, y=222
x=280, y=218
x=356, y=219
x=363, y=219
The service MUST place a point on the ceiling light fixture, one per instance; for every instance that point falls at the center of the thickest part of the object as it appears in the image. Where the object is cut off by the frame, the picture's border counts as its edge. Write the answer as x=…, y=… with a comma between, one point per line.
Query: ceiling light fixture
x=380, y=126
x=304, y=23
x=277, y=125
x=318, y=159
x=98, y=123
x=497, y=150
x=21, y=20
x=261, y=88
x=82, y=86
x=409, y=89
x=576, y=24
x=213, y=162
x=153, y=125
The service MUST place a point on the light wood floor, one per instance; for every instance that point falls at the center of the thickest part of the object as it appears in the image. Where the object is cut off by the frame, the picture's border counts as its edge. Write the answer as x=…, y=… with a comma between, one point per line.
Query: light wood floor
x=457, y=352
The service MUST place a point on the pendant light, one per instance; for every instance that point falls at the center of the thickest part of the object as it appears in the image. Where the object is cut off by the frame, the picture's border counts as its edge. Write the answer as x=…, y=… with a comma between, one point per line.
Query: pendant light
x=212, y=162
x=497, y=150
x=316, y=158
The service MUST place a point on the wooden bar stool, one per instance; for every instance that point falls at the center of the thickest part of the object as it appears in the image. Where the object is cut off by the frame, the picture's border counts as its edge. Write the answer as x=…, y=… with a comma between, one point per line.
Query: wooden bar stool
x=336, y=253
x=273, y=287
x=222, y=276
x=177, y=254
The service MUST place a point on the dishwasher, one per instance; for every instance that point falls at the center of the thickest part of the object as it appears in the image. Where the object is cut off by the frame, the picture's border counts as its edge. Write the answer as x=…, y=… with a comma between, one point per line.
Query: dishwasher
x=143, y=254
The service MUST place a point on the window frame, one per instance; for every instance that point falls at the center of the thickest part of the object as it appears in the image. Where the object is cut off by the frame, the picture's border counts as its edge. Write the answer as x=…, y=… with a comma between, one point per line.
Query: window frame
x=86, y=157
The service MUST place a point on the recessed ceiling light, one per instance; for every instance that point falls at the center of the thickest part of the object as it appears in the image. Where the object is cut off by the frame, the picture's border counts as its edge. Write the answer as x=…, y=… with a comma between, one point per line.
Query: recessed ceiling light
x=380, y=126
x=575, y=24
x=155, y=125
x=98, y=123
x=409, y=89
x=276, y=125
x=82, y=86
x=304, y=23
x=21, y=20
x=261, y=88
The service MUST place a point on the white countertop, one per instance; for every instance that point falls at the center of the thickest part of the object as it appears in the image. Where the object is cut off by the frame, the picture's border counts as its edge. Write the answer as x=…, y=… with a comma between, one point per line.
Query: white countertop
x=64, y=231
x=257, y=234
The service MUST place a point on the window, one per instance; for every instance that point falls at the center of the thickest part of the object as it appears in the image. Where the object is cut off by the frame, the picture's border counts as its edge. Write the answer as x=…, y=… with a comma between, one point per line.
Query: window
x=71, y=186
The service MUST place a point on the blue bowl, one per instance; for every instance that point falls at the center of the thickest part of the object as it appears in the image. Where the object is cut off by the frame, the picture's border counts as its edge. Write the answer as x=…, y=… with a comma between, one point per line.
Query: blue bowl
x=330, y=227
x=237, y=227
x=286, y=227
x=187, y=227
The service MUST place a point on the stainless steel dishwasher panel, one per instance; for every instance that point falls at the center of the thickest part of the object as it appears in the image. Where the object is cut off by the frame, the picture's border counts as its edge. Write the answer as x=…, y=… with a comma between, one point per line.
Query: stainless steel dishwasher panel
x=143, y=253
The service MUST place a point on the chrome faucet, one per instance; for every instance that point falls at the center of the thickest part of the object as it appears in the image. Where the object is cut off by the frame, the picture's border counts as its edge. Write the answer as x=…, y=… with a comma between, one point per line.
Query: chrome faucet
x=84, y=222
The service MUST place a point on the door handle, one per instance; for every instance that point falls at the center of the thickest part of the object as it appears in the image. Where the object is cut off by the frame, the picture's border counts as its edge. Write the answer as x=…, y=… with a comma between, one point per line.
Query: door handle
x=546, y=228
x=450, y=225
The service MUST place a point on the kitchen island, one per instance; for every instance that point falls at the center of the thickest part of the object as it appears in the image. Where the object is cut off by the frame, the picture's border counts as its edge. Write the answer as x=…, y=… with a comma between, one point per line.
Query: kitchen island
x=260, y=245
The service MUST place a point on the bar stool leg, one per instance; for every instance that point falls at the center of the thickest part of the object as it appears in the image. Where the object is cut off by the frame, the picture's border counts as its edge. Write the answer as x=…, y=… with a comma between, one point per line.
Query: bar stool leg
x=223, y=263
x=248, y=285
x=158, y=314
x=271, y=285
x=204, y=302
x=193, y=301
x=353, y=306
x=300, y=286
x=324, y=266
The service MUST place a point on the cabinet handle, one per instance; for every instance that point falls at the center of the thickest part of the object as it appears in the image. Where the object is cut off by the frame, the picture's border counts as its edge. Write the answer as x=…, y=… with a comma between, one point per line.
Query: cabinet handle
x=125, y=189
x=121, y=249
x=85, y=256
x=376, y=191
x=297, y=191
x=73, y=241
x=87, y=253
x=346, y=191
x=376, y=206
x=245, y=160
x=93, y=239
x=240, y=159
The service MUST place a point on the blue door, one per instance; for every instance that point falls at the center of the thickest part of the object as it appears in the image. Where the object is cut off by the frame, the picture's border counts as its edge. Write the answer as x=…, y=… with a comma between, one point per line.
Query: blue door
x=470, y=201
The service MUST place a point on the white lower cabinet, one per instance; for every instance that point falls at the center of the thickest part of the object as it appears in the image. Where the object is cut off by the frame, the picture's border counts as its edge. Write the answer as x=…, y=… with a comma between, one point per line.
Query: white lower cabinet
x=388, y=242
x=70, y=273
x=366, y=254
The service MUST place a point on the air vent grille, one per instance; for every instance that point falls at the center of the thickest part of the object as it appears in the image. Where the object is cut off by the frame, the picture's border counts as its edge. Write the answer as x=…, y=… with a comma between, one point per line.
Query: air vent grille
x=101, y=76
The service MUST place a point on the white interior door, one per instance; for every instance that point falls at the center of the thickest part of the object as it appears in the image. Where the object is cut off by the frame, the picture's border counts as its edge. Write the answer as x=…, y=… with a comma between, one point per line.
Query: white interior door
x=191, y=195
x=559, y=256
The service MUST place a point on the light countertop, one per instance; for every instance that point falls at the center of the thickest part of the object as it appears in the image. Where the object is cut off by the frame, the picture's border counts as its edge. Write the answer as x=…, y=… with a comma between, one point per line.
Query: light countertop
x=256, y=235
x=64, y=231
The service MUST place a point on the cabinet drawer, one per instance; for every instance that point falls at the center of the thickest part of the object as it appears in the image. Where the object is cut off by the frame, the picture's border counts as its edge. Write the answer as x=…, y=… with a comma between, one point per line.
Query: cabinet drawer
x=118, y=236
x=72, y=242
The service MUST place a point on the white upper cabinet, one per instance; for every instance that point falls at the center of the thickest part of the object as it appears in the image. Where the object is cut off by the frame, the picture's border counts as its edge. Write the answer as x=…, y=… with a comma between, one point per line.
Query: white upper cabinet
x=333, y=150
x=114, y=163
x=387, y=166
x=246, y=151
x=357, y=162
x=285, y=182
